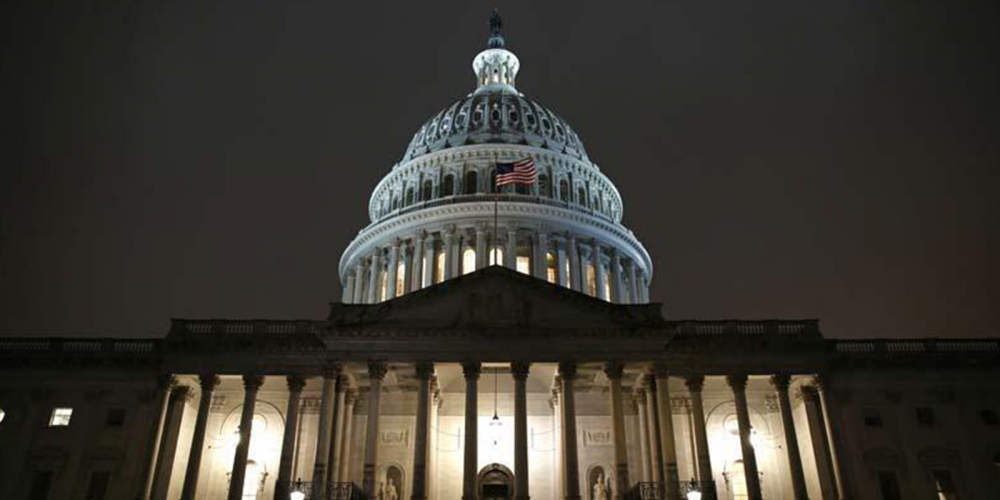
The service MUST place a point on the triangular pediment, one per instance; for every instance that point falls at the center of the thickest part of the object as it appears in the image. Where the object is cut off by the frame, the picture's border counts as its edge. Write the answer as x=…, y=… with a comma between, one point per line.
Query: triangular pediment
x=495, y=298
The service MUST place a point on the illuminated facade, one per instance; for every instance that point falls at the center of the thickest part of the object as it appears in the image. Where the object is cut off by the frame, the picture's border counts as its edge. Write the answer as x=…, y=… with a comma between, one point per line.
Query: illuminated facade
x=549, y=375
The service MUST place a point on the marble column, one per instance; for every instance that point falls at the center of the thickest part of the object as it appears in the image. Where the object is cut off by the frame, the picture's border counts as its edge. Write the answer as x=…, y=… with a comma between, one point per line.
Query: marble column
x=179, y=396
x=655, y=456
x=585, y=265
x=668, y=446
x=208, y=384
x=251, y=384
x=832, y=424
x=695, y=384
x=541, y=256
x=432, y=440
x=633, y=285
x=471, y=462
x=561, y=261
x=424, y=372
x=417, y=267
x=571, y=466
x=739, y=385
x=344, y=472
x=328, y=406
x=519, y=370
x=510, y=255
x=359, y=282
x=482, y=238
x=405, y=279
x=152, y=449
x=597, y=257
x=614, y=371
x=374, y=278
x=780, y=383
x=617, y=287
x=333, y=459
x=390, y=287
x=376, y=372
x=430, y=256
x=644, y=288
x=283, y=485
x=820, y=444
x=449, y=251
x=560, y=478
x=640, y=403
x=575, y=279
x=348, y=295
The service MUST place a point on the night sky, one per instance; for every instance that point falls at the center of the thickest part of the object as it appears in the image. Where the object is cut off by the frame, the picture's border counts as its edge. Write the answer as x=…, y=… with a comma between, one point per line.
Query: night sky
x=833, y=160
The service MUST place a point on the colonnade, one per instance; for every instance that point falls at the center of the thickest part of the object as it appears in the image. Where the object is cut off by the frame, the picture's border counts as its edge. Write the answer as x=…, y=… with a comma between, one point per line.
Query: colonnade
x=658, y=450
x=584, y=265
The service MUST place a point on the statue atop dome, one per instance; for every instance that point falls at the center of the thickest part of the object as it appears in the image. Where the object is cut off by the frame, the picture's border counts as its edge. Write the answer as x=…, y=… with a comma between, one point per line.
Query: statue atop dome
x=497, y=40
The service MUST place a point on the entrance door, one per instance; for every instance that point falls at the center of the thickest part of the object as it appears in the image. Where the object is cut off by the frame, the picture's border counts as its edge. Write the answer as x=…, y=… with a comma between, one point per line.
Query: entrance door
x=496, y=482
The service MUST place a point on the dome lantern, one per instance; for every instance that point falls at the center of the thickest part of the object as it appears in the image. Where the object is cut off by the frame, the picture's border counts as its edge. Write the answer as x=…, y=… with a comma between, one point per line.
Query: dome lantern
x=496, y=67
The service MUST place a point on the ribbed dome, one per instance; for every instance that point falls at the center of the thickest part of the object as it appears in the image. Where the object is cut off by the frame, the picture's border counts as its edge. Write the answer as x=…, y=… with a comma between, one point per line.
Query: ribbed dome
x=495, y=116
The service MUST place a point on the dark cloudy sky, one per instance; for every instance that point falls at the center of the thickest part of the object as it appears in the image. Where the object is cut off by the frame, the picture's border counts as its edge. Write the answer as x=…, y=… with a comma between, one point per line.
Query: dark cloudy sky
x=167, y=158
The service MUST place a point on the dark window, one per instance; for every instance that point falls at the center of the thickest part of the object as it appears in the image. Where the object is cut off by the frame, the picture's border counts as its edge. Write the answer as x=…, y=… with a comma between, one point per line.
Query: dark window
x=581, y=196
x=428, y=191
x=98, y=488
x=449, y=186
x=564, y=190
x=925, y=417
x=873, y=417
x=471, y=182
x=115, y=417
x=409, y=196
x=888, y=485
x=493, y=181
x=544, y=186
x=521, y=188
x=945, y=485
x=41, y=483
x=989, y=417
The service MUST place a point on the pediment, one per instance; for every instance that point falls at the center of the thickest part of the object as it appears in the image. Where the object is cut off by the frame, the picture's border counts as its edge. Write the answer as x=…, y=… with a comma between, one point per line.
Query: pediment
x=495, y=298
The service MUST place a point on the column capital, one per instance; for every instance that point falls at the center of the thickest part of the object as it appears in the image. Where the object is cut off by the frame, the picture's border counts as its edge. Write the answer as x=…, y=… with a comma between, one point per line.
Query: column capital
x=481, y=227
x=520, y=369
x=295, y=383
x=165, y=381
x=737, y=382
x=208, y=382
x=780, y=381
x=421, y=234
x=660, y=371
x=377, y=369
x=332, y=369
x=342, y=383
x=253, y=381
x=567, y=370
x=425, y=370
x=648, y=381
x=809, y=393
x=614, y=370
x=472, y=369
x=695, y=383
x=180, y=393
x=351, y=397
x=824, y=382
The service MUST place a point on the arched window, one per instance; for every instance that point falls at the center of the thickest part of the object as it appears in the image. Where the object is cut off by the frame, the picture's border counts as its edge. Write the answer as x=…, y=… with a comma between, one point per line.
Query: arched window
x=400, y=278
x=581, y=196
x=493, y=181
x=383, y=279
x=564, y=191
x=523, y=264
x=449, y=185
x=428, y=191
x=439, y=267
x=395, y=202
x=468, y=260
x=409, y=196
x=591, y=280
x=597, y=203
x=471, y=182
x=544, y=186
x=551, y=269
x=521, y=188
x=496, y=256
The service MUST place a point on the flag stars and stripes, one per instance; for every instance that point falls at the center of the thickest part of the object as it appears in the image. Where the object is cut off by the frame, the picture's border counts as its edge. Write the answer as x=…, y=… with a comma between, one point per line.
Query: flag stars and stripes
x=522, y=171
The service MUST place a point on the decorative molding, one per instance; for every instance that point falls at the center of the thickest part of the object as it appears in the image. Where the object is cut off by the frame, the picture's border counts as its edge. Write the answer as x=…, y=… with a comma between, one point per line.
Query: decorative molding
x=597, y=437
x=394, y=437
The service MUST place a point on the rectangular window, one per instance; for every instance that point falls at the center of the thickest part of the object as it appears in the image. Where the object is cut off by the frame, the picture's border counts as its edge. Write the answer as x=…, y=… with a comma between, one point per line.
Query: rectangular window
x=60, y=417
x=888, y=485
x=400, y=278
x=925, y=417
x=98, y=488
x=115, y=417
x=945, y=485
x=872, y=417
x=523, y=264
x=41, y=483
x=591, y=281
x=439, y=268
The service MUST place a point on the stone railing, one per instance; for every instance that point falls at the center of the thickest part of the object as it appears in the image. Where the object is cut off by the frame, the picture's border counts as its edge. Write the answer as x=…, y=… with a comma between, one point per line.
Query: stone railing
x=504, y=197
x=791, y=328
x=101, y=349
x=915, y=347
x=239, y=327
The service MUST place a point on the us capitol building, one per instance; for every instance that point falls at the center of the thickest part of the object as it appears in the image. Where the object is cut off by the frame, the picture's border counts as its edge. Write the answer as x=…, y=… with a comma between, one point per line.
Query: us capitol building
x=497, y=345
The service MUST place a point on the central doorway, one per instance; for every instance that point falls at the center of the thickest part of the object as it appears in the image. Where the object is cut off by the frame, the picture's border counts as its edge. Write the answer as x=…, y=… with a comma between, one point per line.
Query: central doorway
x=496, y=482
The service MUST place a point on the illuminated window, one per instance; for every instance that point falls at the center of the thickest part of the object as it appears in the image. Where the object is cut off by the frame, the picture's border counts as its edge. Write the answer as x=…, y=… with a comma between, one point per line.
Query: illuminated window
x=607, y=288
x=60, y=417
x=496, y=256
x=591, y=281
x=523, y=264
x=439, y=268
x=383, y=285
x=551, y=267
x=2, y=415
x=468, y=261
x=400, y=279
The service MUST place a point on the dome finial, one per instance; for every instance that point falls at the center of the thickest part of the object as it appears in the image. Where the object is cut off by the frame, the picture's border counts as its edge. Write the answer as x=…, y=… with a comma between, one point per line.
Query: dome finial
x=496, y=40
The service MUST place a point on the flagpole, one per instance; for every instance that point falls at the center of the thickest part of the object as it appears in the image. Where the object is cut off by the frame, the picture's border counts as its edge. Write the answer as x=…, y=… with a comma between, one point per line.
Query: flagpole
x=496, y=202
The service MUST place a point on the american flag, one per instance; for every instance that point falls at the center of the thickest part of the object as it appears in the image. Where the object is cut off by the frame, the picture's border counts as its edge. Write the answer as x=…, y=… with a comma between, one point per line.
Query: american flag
x=522, y=171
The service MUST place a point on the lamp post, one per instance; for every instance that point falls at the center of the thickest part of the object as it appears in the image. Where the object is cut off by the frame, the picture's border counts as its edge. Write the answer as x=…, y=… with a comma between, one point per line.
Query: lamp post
x=297, y=493
x=693, y=490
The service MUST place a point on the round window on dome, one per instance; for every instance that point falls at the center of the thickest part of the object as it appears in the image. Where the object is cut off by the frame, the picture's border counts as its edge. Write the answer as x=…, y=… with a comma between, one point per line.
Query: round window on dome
x=545, y=124
x=477, y=116
x=513, y=116
x=531, y=120
x=495, y=115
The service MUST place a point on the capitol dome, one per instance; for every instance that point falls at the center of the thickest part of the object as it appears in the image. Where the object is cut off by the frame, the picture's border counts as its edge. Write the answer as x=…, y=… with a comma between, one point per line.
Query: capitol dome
x=438, y=214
